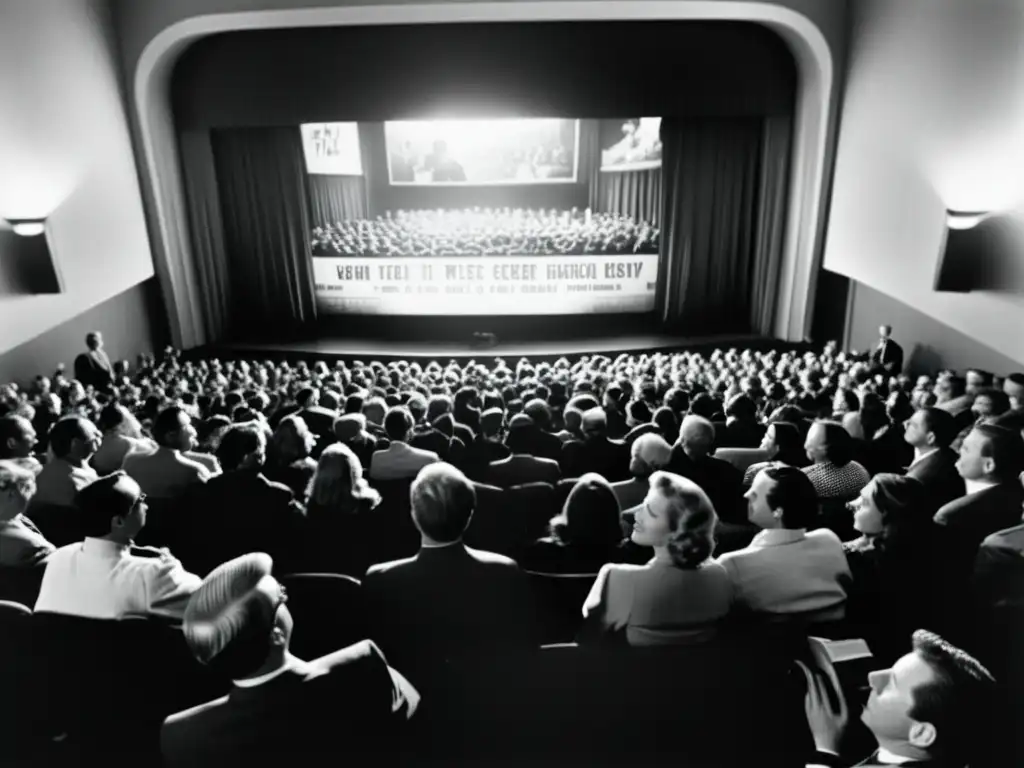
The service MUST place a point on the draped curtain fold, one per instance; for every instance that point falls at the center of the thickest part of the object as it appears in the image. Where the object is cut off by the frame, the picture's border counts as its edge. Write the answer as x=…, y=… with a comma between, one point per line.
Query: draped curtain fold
x=334, y=199
x=770, y=229
x=212, y=291
x=265, y=202
x=713, y=177
x=631, y=193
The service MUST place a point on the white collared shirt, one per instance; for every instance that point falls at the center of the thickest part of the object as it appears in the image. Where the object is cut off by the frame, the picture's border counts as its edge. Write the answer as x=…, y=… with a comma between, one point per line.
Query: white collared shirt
x=100, y=579
x=976, y=486
x=290, y=663
x=918, y=458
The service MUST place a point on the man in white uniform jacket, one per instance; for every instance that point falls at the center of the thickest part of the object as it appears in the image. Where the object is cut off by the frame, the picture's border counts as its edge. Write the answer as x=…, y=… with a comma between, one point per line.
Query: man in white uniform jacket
x=105, y=576
x=788, y=571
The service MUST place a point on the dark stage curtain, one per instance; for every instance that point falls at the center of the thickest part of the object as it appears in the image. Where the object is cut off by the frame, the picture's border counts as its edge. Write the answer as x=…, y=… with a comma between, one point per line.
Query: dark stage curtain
x=211, y=292
x=773, y=195
x=333, y=199
x=265, y=203
x=713, y=173
x=632, y=193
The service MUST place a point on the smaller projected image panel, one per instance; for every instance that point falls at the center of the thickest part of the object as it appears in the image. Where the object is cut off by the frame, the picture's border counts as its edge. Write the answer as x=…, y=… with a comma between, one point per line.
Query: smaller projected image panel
x=636, y=148
x=332, y=149
x=492, y=285
x=482, y=152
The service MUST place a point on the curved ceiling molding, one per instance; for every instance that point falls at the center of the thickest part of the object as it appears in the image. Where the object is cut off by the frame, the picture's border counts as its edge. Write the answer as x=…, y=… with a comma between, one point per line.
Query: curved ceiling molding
x=815, y=104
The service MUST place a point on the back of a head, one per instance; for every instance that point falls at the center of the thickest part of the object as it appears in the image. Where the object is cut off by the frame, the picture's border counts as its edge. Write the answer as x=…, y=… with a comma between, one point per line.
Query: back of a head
x=111, y=417
x=397, y=423
x=649, y=453
x=838, y=441
x=228, y=621
x=794, y=493
x=590, y=515
x=903, y=503
x=238, y=441
x=697, y=435
x=167, y=422
x=110, y=496
x=957, y=702
x=64, y=433
x=790, y=443
x=941, y=423
x=491, y=421
x=741, y=407
x=349, y=425
x=443, y=500
x=692, y=518
x=595, y=423
x=540, y=412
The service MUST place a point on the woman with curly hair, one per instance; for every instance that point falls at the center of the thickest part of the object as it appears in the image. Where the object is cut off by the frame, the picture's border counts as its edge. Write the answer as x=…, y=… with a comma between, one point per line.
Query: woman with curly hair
x=896, y=564
x=784, y=444
x=681, y=595
x=585, y=535
x=341, y=513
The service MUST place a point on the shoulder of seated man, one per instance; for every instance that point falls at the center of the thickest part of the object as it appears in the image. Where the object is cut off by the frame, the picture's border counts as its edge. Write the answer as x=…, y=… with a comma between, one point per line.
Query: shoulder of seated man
x=154, y=553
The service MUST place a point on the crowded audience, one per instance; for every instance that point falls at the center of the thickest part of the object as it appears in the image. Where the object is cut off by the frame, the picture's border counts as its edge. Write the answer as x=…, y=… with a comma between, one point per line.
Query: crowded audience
x=487, y=232
x=691, y=494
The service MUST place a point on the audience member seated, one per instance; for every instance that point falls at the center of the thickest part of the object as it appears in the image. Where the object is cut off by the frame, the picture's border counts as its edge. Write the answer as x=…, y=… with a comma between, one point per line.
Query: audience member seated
x=833, y=472
x=399, y=461
x=681, y=594
x=953, y=396
x=167, y=473
x=596, y=452
x=988, y=404
x=931, y=708
x=897, y=565
x=1013, y=387
x=742, y=429
x=21, y=543
x=349, y=705
x=720, y=480
x=991, y=458
x=317, y=417
x=288, y=456
x=448, y=601
x=536, y=438
x=521, y=467
x=784, y=445
x=105, y=577
x=122, y=434
x=350, y=430
x=788, y=572
x=929, y=432
x=341, y=514
x=243, y=511
x=648, y=454
x=18, y=439
x=585, y=535
x=73, y=441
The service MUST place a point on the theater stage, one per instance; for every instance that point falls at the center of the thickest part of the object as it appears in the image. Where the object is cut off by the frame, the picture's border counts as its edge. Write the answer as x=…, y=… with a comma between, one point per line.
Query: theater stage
x=336, y=347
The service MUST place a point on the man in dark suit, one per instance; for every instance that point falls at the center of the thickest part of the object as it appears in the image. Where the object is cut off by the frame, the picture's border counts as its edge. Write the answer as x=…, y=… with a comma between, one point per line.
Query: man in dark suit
x=887, y=358
x=535, y=438
x=242, y=511
x=448, y=601
x=320, y=420
x=596, y=452
x=521, y=467
x=721, y=481
x=929, y=431
x=93, y=367
x=927, y=710
x=348, y=704
x=990, y=460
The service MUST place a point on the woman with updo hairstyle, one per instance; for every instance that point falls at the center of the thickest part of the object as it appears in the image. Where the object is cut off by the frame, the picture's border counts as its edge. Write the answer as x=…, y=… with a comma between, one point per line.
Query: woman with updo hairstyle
x=585, y=535
x=122, y=435
x=897, y=564
x=341, y=513
x=288, y=456
x=784, y=444
x=681, y=595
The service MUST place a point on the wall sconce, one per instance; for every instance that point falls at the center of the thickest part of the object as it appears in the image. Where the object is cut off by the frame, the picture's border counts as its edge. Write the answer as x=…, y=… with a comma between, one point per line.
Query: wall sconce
x=28, y=227
x=965, y=219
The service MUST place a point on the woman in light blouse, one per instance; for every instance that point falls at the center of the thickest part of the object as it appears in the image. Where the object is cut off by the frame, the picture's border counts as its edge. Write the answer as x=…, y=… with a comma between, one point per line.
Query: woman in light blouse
x=681, y=595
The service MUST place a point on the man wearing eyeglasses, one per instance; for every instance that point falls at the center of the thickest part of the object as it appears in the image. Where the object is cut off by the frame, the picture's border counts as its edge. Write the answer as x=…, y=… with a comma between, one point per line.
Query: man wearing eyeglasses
x=105, y=576
x=347, y=704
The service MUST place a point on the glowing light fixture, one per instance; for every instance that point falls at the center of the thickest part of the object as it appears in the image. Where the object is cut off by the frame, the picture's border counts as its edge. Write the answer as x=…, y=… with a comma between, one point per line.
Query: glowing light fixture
x=965, y=219
x=28, y=227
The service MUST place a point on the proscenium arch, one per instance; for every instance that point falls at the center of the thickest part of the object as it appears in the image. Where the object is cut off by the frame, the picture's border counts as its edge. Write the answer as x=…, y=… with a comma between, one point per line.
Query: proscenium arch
x=163, y=187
